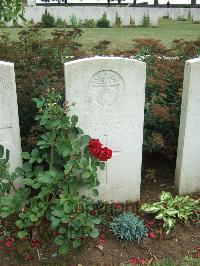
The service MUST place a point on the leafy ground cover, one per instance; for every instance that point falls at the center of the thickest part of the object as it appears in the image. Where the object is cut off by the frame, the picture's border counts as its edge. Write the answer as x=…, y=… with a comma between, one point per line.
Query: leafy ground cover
x=121, y=37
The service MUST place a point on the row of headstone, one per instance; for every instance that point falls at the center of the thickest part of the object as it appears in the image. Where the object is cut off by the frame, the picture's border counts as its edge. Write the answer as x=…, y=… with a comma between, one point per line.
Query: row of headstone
x=110, y=95
x=127, y=14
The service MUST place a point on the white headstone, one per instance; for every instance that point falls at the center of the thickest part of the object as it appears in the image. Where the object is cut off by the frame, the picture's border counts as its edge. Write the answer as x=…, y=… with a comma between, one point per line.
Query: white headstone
x=9, y=121
x=31, y=2
x=109, y=94
x=153, y=16
x=196, y=14
x=185, y=13
x=188, y=155
x=176, y=13
x=139, y=16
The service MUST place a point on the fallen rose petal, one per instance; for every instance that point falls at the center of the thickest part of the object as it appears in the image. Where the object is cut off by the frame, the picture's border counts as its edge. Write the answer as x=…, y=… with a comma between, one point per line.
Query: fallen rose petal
x=151, y=235
x=101, y=240
x=133, y=260
x=141, y=260
x=9, y=243
x=100, y=247
x=34, y=243
x=28, y=257
x=118, y=206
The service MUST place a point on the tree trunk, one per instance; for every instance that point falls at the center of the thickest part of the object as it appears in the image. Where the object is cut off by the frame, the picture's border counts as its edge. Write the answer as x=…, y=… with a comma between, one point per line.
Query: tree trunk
x=135, y=2
x=156, y=3
x=193, y=2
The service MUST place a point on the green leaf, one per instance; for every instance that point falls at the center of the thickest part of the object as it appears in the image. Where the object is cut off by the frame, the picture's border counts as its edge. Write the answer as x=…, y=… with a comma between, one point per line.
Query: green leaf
x=28, y=181
x=85, y=139
x=44, y=191
x=54, y=222
x=26, y=155
x=94, y=233
x=59, y=240
x=22, y=234
x=76, y=243
x=57, y=213
x=74, y=120
x=96, y=220
x=102, y=166
x=33, y=218
x=19, y=224
x=45, y=177
x=62, y=230
x=159, y=216
x=86, y=174
x=63, y=248
x=68, y=167
x=1, y=151
x=95, y=192
x=39, y=102
x=65, y=147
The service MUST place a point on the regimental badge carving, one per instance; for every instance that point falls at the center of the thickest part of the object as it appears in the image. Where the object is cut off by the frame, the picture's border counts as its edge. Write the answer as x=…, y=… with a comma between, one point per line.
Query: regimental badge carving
x=106, y=88
x=3, y=86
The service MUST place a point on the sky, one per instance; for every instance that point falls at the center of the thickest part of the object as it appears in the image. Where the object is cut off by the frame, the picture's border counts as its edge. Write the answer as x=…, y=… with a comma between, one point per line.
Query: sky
x=131, y=1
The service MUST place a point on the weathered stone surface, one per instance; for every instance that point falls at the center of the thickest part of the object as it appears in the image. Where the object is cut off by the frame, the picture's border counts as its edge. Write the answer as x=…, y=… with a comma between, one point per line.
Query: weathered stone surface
x=109, y=94
x=188, y=156
x=9, y=121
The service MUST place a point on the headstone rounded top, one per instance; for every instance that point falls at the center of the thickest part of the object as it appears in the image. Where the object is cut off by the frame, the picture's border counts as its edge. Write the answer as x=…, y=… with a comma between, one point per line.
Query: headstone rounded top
x=105, y=58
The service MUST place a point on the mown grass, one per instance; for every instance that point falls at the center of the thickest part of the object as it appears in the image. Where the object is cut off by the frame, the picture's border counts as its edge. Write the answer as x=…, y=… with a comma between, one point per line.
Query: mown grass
x=122, y=37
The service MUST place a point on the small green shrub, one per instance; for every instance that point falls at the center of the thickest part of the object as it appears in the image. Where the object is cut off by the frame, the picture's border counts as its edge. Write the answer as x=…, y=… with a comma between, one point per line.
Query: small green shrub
x=118, y=21
x=103, y=22
x=75, y=22
x=170, y=209
x=48, y=20
x=128, y=227
x=145, y=21
x=60, y=23
x=89, y=23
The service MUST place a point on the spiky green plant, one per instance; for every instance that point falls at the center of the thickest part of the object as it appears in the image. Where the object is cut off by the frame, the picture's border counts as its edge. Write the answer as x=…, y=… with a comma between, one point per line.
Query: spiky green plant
x=128, y=227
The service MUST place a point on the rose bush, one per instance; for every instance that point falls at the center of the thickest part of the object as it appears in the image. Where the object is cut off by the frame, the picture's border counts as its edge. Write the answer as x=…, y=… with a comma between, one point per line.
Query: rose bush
x=54, y=172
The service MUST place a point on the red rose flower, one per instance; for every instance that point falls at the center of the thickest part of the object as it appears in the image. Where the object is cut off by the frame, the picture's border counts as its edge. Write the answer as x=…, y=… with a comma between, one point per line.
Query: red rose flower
x=95, y=147
x=94, y=143
x=105, y=154
x=9, y=243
